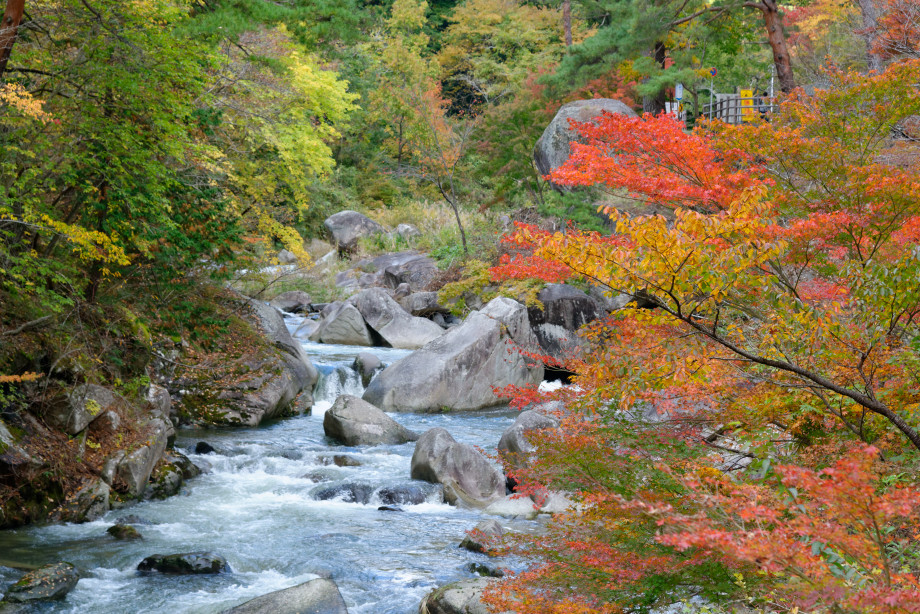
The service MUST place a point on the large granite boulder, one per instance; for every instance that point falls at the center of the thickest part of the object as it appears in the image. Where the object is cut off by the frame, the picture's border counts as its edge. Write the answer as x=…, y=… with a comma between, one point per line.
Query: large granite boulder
x=133, y=468
x=467, y=476
x=259, y=383
x=49, y=582
x=552, y=149
x=565, y=310
x=342, y=323
x=293, y=301
x=189, y=563
x=366, y=364
x=459, y=369
x=346, y=227
x=486, y=529
x=423, y=304
x=356, y=422
x=74, y=410
x=415, y=270
x=395, y=326
x=319, y=596
x=463, y=597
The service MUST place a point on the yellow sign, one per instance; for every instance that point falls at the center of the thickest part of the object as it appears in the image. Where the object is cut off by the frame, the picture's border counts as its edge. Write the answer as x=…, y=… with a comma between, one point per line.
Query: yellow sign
x=748, y=112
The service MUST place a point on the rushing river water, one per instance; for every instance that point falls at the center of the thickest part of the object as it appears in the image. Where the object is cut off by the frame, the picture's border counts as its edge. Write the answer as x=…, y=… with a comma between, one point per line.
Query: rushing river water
x=258, y=510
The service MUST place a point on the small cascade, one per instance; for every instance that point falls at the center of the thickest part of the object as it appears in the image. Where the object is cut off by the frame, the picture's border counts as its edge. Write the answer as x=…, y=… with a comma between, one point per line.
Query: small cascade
x=335, y=380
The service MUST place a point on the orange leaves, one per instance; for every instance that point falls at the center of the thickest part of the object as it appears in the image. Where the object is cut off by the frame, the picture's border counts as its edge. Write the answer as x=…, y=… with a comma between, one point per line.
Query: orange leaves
x=826, y=534
x=18, y=379
x=655, y=161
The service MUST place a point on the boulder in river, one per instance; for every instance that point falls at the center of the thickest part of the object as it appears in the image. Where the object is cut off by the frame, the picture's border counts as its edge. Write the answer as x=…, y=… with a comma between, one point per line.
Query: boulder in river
x=89, y=503
x=342, y=323
x=349, y=492
x=422, y=304
x=355, y=422
x=553, y=147
x=189, y=563
x=346, y=227
x=319, y=596
x=366, y=364
x=463, y=597
x=123, y=532
x=460, y=369
x=467, y=476
x=52, y=581
x=395, y=326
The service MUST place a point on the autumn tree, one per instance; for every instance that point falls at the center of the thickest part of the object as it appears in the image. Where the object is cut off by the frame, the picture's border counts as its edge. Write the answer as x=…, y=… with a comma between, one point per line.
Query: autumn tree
x=775, y=318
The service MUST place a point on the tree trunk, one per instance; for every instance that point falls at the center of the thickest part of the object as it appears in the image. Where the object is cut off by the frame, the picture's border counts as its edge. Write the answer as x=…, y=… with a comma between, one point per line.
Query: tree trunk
x=869, y=11
x=567, y=21
x=655, y=104
x=9, y=27
x=777, y=40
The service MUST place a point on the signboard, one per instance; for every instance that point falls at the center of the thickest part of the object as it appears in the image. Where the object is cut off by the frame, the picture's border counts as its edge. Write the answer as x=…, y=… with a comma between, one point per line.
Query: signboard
x=679, y=92
x=748, y=112
x=713, y=72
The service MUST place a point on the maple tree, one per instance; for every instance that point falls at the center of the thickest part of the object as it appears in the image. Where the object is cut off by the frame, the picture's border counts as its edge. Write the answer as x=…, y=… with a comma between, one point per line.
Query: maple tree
x=778, y=307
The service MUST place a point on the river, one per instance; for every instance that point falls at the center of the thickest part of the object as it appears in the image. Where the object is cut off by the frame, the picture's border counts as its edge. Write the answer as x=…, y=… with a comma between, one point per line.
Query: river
x=258, y=510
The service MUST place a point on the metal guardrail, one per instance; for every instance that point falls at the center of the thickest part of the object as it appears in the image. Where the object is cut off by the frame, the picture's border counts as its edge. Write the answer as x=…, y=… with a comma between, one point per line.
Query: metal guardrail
x=735, y=109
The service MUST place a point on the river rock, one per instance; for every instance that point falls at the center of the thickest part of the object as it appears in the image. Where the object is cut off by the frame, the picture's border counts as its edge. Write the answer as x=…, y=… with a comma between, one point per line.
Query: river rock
x=513, y=443
x=395, y=326
x=459, y=369
x=165, y=481
x=306, y=329
x=467, y=476
x=259, y=384
x=552, y=149
x=565, y=310
x=423, y=304
x=133, y=469
x=366, y=365
x=463, y=597
x=74, y=410
x=486, y=528
x=349, y=492
x=123, y=532
x=203, y=447
x=183, y=463
x=355, y=422
x=346, y=227
x=319, y=596
x=408, y=494
x=287, y=257
x=48, y=582
x=417, y=270
x=89, y=503
x=342, y=323
x=185, y=564
x=293, y=301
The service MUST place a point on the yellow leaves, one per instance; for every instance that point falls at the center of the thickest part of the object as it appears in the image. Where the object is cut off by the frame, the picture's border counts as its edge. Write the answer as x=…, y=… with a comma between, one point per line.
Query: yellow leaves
x=16, y=96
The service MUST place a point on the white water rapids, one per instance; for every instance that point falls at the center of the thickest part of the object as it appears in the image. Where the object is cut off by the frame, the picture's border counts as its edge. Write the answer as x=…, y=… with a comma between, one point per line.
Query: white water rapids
x=257, y=510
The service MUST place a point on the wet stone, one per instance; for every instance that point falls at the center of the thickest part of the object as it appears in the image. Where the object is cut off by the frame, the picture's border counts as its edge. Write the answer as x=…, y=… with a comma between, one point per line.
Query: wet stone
x=123, y=531
x=185, y=563
x=52, y=581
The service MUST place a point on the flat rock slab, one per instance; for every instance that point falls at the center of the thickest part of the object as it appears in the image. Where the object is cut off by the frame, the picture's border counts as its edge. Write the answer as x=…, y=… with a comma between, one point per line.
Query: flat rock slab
x=320, y=596
x=356, y=422
x=49, y=582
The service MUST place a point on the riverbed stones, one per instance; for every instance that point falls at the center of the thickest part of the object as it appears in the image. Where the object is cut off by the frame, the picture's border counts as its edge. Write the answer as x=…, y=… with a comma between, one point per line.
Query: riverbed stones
x=467, y=476
x=553, y=147
x=52, y=581
x=463, y=597
x=188, y=563
x=485, y=529
x=346, y=227
x=461, y=369
x=356, y=422
x=422, y=304
x=396, y=327
x=319, y=596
